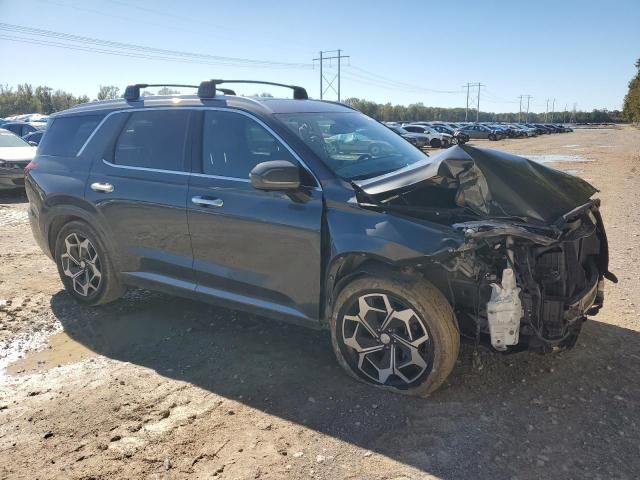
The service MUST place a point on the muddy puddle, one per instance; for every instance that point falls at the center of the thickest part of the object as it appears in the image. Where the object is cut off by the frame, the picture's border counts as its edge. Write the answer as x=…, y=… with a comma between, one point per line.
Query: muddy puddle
x=60, y=350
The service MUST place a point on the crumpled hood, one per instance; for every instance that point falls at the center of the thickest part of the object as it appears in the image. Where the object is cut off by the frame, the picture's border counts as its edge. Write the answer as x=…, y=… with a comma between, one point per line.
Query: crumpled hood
x=493, y=184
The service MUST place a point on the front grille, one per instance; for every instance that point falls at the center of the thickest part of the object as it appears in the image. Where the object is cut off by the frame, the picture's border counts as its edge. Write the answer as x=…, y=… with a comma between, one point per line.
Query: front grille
x=18, y=165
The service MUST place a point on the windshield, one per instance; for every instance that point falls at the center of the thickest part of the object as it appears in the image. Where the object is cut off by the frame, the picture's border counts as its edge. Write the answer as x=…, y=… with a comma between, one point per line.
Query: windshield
x=351, y=144
x=10, y=140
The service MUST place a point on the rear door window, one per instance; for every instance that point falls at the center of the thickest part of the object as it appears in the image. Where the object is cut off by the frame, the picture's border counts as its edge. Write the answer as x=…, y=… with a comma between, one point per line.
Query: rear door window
x=153, y=139
x=67, y=135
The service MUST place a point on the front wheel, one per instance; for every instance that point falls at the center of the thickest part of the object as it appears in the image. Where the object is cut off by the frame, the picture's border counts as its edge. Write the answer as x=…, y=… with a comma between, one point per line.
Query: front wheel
x=492, y=137
x=399, y=334
x=435, y=143
x=83, y=265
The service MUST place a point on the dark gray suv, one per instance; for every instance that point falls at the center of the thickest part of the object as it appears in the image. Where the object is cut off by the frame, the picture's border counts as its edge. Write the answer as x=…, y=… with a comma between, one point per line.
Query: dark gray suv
x=254, y=204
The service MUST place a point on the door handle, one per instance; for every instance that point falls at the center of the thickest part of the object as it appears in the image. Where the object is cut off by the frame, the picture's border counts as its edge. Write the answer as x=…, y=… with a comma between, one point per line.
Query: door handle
x=208, y=202
x=103, y=187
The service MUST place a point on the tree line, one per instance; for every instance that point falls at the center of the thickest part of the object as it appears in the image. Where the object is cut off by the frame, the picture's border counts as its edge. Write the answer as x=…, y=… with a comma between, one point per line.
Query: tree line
x=43, y=99
x=420, y=112
x=631, y=107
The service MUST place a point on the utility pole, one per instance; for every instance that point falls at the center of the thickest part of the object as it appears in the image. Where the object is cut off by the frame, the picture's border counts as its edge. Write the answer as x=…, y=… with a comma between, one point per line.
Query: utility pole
x=547, y=112
x=466, y=112
x=553, y=108
x=478, y=110
x=333, y=55
x=528, y=99
x=564, y=114
x=520, y=110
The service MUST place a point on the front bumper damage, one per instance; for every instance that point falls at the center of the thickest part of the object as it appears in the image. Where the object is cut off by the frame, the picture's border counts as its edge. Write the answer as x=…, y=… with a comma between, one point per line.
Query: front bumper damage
x=534, y=257
x=534, y=286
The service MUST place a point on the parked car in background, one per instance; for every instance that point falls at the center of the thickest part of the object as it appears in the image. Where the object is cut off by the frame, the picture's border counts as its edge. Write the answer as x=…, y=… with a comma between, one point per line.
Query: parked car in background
x=23, y=128
x=34, y=138
x=356, y=142
x=526, y=131
x=458, y=138
x=541, y=129
x=478, y=131
x=15, y=155
x=420, y=140
x=436, y=139
x=503, y=130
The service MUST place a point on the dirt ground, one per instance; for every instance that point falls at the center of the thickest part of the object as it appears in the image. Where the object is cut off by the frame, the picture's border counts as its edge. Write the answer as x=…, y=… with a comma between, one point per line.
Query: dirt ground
x=159, y=387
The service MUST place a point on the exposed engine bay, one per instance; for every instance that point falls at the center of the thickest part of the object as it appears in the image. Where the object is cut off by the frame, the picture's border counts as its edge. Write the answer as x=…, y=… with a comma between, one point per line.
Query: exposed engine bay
x=535, y=254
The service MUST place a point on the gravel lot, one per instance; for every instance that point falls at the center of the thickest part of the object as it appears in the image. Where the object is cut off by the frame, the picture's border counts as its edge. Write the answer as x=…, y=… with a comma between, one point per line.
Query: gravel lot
x=159, y=387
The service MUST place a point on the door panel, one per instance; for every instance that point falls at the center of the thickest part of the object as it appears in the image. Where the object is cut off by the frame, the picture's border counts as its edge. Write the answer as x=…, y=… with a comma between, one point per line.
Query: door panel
x=146, y=214
x=140, y=192
x=262, y=245
x=251, y=247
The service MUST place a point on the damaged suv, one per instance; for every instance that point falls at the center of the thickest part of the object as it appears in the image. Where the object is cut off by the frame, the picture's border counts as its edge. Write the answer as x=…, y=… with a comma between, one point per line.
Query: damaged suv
x=248, y=203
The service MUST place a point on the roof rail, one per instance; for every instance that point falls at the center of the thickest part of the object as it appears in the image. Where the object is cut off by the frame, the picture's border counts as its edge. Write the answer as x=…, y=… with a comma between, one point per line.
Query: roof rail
x=208, y=88
x=132, y=92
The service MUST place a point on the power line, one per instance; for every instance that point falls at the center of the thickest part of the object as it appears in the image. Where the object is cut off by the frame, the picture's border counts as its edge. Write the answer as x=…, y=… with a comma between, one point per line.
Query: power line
x=395, y=83
x=75, y=41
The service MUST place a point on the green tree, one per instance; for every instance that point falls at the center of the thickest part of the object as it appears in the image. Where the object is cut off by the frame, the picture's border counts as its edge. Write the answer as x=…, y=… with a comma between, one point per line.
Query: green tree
x=108, y=92
x=631, y=109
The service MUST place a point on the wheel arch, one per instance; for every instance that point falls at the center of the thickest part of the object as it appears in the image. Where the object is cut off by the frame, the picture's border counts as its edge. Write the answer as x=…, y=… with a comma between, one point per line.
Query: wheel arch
x=59, y=216
x=348, y=267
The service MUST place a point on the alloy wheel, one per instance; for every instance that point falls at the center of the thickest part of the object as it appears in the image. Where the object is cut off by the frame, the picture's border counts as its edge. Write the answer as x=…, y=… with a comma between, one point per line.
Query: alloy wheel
x=388, y=343
x=81, y=264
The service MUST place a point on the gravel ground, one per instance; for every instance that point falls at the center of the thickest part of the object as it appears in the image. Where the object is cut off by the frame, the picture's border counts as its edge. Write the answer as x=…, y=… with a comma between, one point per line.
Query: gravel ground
x=158, y=387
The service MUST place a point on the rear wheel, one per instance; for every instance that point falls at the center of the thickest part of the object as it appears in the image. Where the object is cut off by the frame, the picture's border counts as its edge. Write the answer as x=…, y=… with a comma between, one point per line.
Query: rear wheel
x=492, y=137
x=396, y=334
x=85, y=270
x=435, y=143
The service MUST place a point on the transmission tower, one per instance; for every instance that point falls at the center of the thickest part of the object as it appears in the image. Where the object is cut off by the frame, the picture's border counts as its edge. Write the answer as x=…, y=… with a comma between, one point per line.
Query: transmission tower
x=522, y=97
x=328, y=56
x=471, y=99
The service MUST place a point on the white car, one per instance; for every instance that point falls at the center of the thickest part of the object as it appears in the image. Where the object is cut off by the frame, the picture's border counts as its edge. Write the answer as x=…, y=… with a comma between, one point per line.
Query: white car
x=436, y=139
x=15, y=154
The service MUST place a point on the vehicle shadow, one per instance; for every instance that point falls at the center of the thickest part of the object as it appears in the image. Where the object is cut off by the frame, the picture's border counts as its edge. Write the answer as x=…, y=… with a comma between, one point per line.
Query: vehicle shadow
x=10, y=197
x=571, y=412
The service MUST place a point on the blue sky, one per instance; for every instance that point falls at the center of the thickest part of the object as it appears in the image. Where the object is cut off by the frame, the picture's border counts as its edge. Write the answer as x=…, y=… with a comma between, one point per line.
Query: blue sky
x=575, y=51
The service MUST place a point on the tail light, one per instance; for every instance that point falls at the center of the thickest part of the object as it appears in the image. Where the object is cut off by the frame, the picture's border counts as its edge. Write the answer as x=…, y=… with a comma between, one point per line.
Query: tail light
x=30, y=166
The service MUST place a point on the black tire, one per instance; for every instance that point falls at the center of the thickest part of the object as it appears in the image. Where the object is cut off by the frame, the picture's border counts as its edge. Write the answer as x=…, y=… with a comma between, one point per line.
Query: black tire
x=435, y=143
x=492, y=137
x=431, y=314
x=82, y=262
x=454, y=141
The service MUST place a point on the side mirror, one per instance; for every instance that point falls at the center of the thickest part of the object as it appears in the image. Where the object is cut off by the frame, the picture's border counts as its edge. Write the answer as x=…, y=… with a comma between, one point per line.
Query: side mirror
x=32, y=143
x=275, y=175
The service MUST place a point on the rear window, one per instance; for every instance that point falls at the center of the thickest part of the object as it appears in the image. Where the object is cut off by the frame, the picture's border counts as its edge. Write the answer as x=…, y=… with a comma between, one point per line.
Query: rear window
x=153, y=139
x=66, y=135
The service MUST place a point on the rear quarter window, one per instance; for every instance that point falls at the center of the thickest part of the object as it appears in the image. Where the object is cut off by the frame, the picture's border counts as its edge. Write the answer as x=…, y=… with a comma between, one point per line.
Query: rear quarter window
x=66, y=135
